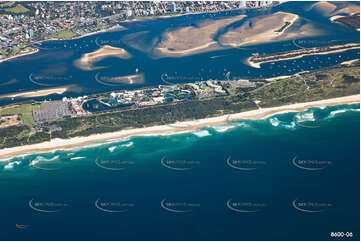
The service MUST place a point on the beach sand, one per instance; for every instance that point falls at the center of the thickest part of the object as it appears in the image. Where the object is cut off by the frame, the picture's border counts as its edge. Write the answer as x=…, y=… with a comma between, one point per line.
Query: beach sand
x=57, y=144
x=38, y=93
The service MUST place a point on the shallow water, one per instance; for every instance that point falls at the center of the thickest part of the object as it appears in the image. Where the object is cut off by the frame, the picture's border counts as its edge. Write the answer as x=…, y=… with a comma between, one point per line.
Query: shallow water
x=54, y=65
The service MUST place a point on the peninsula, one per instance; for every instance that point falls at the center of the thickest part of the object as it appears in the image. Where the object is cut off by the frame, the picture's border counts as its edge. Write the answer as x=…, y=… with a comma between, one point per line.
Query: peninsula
x=257, y=60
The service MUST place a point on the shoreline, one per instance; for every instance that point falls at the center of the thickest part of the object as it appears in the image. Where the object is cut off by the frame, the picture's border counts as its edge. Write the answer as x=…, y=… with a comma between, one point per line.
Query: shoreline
x=61, y=144
x=19, y=55
x=38, y=93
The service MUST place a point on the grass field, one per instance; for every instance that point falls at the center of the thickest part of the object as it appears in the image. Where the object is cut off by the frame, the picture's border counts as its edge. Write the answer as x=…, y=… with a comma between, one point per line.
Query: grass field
x=26, y=111
x=17, y=9
x=6, y=4
x=66, y=34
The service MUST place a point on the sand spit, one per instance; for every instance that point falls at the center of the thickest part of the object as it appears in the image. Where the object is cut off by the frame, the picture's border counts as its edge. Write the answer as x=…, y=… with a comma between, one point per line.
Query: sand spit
x=87, y=60
x=302, y=53
x=38, y=93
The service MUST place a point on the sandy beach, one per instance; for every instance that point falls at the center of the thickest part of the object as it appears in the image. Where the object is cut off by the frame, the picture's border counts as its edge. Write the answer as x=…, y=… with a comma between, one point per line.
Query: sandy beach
x=57, y=144
x=38, y=93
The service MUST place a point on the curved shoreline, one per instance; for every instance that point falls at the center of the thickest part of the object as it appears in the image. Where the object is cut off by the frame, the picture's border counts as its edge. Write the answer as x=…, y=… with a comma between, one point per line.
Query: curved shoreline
x=19, y=55
x=61, y=144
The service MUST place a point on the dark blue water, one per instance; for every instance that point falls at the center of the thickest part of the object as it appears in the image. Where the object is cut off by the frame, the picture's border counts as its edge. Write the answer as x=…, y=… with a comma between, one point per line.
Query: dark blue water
x=265, y=188
x=53, y=65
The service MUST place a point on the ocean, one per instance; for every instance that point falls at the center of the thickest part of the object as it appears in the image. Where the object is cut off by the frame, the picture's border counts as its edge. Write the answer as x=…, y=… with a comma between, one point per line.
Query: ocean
x=292, y=175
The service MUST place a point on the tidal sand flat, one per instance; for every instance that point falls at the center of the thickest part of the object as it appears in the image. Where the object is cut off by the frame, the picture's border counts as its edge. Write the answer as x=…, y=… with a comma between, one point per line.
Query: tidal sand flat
x=335, y=8
x=193, y=39
x=324, y=8
x=86, y=62
x=56, y=144
x=259, y=30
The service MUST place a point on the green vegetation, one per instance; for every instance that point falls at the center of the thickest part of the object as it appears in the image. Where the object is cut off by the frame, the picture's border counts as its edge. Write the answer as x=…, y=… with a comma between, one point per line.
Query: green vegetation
x=65, y=35
x=21, y=135
x=6, y=4
x=25, y=110
x=327, y=83
x=17, y=9
x=283, y=27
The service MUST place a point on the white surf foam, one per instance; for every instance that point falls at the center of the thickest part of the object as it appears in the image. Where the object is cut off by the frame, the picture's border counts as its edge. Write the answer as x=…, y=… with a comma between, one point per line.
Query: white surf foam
x=201, y=133
x=336, y=112
x=127, y=144
x=40, y=158
x=11, y=165
x=305, y=117
x=223, y=128
x=77, y=158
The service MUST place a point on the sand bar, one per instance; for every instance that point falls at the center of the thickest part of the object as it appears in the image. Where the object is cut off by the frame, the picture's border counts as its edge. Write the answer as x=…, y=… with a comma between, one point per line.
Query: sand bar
x=87, y=60
x=57, y=144
x=193, y=39
x=259, y=30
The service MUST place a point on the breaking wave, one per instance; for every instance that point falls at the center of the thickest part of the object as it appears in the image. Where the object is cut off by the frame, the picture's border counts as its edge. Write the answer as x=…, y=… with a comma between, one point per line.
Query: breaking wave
x=40, y=158
x=223, y=128
x=131, y=143
x=78, y=158
x=336, y=112
x=11, y=165
x=201, y=133
x=305, y=116
x=275, y=122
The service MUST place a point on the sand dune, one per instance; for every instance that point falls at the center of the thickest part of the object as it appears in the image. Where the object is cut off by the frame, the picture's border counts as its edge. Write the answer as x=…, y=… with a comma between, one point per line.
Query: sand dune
x=87, y=60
